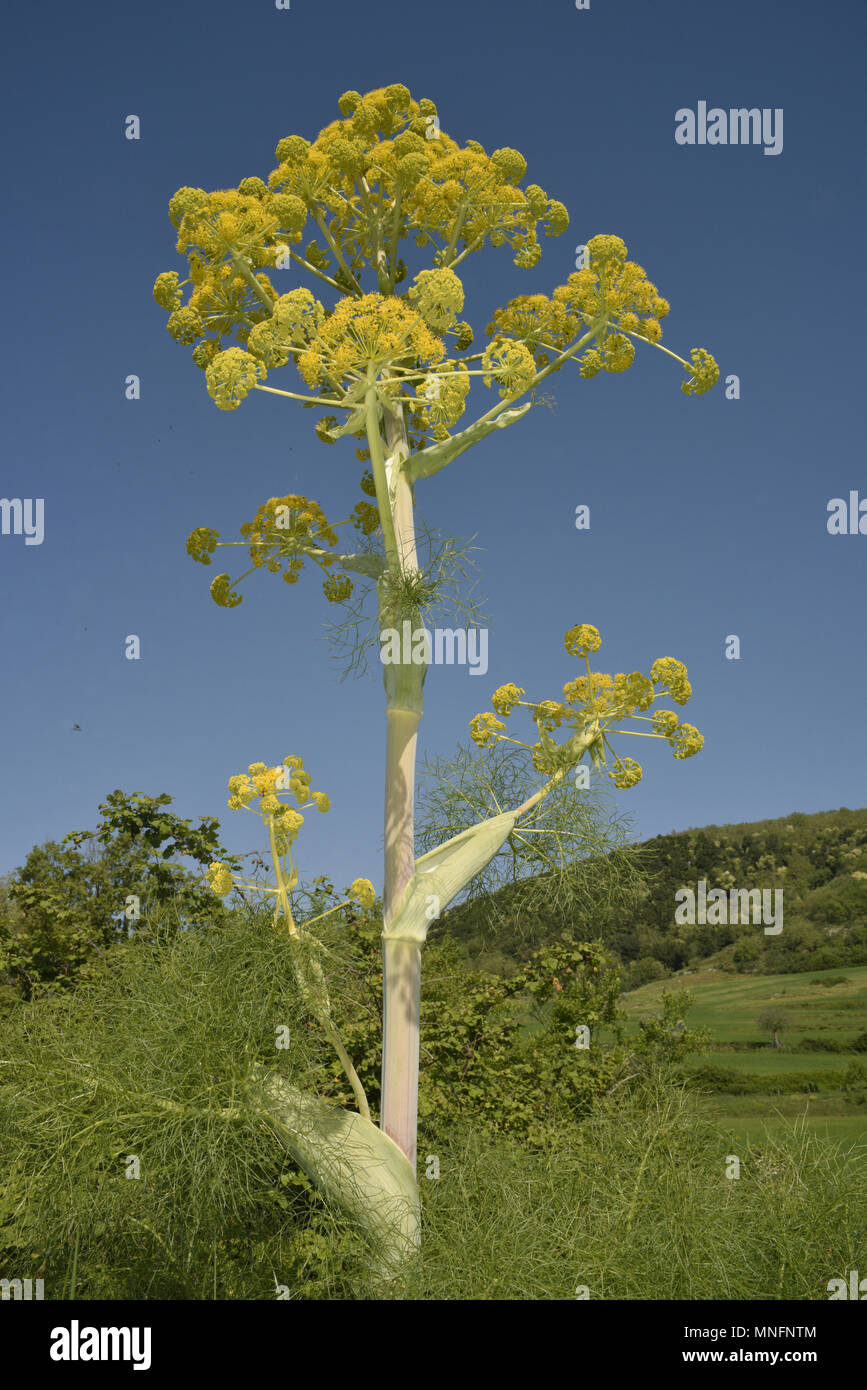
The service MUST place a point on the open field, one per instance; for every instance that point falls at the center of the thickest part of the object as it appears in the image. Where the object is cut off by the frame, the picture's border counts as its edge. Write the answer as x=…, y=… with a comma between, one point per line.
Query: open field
x=818, y=1005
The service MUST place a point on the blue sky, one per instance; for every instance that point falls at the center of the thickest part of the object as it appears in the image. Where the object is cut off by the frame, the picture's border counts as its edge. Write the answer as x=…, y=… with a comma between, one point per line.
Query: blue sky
x=708, y=516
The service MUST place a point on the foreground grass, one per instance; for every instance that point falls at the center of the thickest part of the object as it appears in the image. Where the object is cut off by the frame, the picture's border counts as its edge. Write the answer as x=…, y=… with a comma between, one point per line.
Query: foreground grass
x=632, y=1203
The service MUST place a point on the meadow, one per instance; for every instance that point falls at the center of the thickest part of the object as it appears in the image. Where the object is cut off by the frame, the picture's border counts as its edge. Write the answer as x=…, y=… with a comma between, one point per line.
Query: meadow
x=825, y=1006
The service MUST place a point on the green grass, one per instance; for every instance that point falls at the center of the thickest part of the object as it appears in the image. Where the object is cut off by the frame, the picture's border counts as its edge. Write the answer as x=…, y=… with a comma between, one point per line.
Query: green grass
x=728, y=1006
x=772, y=1061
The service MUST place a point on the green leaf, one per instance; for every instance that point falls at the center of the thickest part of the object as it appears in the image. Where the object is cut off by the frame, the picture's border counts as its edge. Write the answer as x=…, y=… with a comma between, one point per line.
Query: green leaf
x=355, y=1165
x=444, y=872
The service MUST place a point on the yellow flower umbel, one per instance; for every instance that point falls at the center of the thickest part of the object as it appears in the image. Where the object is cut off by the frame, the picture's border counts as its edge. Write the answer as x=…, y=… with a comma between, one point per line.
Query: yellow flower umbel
x=364, y=891
x=220, y=879
x=284, y=533
x=611, y=295
x=593, y=704
x=265, y=785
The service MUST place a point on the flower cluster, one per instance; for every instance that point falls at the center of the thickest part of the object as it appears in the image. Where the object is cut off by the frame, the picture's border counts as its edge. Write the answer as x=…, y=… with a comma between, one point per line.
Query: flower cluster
x=295, y=320
x=583, y=639
x=387, y=163
x=226, y=300
x=283, y=821
x=227, y=235
x=382, y=173
x=231, y=376
x=284, y=532
x=485, y=728
x=506, y=697
x=510, y=364
x=220, y=878
x=264, y=783
x=592, y=705
x=704, y=373
x=364, y=891
x=373, y=331
x=438, y=296
x=440, y=401
x=610, y=291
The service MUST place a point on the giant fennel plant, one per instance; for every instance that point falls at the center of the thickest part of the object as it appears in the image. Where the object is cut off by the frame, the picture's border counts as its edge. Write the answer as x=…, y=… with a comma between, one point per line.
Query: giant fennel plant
x=392, y=363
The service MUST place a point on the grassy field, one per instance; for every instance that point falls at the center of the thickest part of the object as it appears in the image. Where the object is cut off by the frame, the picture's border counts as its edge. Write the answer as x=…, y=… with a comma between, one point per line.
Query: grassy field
x=818, y=1005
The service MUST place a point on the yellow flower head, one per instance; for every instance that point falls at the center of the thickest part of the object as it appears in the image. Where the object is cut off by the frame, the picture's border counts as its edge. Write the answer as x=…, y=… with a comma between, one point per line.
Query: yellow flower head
x=548, y=715
x=290, y=822
x=363, y=890
x=371, y=331
x=222, y=592
x=582, y=639
x=219, y=878
x=484, y=728
x=671, y=675
x=202, y=543
x=664, y=722
x=338, y=587
x=510, y=364
x=242, y=791
x=632, y=692
x=167, y=291
x=506, y=697
x=686, y=741
x=440, y=400
x=231, y=376
x=438, y=295
x=626, y=772
x=705, y=373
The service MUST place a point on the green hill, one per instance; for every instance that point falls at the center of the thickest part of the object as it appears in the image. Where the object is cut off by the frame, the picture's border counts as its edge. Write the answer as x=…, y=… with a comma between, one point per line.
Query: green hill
x=818, y=863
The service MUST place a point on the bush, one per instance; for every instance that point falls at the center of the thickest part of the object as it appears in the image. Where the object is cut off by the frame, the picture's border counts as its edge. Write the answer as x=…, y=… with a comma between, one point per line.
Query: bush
x=643, y=970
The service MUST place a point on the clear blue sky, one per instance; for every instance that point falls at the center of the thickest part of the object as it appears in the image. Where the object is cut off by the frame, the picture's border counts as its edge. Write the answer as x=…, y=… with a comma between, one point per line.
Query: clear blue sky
x=708, y=516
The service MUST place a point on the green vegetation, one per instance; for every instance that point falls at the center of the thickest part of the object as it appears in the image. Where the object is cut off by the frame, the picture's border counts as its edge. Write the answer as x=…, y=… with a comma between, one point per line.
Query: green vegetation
x=559, y=1168
x=819, y=862
x=544, y=1169
x=70, y=902
x=818, y=1074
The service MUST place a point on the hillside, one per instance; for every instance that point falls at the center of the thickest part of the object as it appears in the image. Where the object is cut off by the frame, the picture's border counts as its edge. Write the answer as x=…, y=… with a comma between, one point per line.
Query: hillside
x=816, y=864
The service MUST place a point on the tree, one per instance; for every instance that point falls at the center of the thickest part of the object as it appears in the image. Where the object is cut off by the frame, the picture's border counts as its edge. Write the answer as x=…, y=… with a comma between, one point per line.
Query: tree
x=393, y=369
x=774, y=1021
x=69, y=903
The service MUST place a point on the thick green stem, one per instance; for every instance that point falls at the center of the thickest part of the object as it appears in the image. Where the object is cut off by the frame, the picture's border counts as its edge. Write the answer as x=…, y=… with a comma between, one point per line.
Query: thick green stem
x=400, y=1043
x=401, y=962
